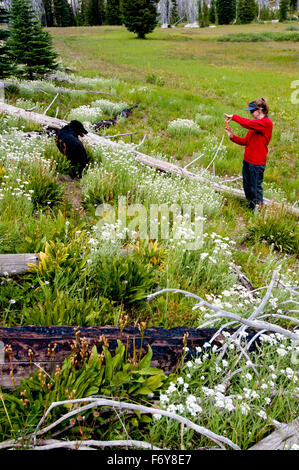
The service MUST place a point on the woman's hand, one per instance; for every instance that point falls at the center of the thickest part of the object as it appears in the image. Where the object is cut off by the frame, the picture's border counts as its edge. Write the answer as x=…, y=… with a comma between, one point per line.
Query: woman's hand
x=229, y=130
x=228, y=117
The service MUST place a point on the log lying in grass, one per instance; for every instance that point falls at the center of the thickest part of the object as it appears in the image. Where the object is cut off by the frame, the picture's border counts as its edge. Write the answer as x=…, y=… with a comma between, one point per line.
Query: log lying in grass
x=16, y=344
x=60, y=90
x=147, y=160
x=14, y=264
x=281, y=439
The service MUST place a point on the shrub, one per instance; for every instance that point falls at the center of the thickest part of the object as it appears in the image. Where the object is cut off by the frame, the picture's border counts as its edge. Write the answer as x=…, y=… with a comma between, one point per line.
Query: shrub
x=123, y=278
x=46, y=191
x=108, y=107
x=152, y=78
x=182, y=127
x=56, y=307
x=139, y=17
x=81, y=375
x=275, y=227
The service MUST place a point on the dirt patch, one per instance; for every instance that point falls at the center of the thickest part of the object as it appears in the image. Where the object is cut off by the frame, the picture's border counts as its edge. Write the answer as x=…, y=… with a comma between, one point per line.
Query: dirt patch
x=72, y=191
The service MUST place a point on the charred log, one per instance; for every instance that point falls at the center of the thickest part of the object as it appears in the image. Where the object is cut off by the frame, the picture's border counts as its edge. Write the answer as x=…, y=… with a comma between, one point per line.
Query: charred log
x=22, y=349
x=106, y=123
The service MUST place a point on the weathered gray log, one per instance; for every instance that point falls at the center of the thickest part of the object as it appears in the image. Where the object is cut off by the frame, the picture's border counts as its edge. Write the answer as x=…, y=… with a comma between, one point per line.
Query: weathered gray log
x=22, y=348
x=281, y=439
x=13, y=264
x=60, y=90
x=147, y=160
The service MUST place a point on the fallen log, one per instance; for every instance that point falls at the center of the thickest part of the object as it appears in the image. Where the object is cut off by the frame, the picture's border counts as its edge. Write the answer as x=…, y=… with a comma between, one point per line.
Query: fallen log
x=281, y=439
x=147, y=160
x=6, y=85
x=14, y=264
x=23, y=349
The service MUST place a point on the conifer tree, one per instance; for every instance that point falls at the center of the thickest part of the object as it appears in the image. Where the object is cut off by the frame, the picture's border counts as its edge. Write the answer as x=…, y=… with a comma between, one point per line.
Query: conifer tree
x=212, y=12
x=6, y=67
x=113, y=13
x=264, y=14
x=40, y=58
x=101, y=11
x=63, y=13
x=205, y=15
x=226, y=11
x=246, y=11
x=283, y=10
x=92, y=13
x=200, y=13
x=29, y=45
x=293, y=5
x=174, y=12
x=49, y=13
x=139, y=16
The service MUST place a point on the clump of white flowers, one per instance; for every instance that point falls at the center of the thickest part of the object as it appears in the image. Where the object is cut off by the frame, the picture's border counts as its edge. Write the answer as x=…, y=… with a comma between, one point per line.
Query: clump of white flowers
x=203, y=390
x=108, y=107
x=151, y=186
x=203, y=119
x=181, y=127
x=86, y=113
x=272, y=191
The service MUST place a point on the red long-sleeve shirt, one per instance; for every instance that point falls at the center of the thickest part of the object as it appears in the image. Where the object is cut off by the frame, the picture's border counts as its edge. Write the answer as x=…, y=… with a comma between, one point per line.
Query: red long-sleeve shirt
x=257, y=139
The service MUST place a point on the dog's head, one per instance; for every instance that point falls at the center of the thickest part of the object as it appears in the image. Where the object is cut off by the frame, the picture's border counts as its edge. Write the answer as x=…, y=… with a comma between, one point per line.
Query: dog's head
x=77, y=126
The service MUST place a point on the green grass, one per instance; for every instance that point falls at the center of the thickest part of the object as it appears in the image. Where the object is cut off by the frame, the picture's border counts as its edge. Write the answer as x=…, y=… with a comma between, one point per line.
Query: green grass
x=260, y=37
x=183, y=69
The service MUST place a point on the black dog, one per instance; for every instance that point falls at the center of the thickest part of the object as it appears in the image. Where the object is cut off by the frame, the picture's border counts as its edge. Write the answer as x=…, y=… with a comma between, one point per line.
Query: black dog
x=68, y=143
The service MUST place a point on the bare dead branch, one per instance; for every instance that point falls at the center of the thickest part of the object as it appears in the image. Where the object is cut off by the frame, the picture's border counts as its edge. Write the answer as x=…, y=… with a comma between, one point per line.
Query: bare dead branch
x=95, y=402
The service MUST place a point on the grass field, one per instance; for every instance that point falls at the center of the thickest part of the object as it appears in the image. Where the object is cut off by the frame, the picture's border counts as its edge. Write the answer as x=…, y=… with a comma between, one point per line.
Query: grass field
x=197, y=75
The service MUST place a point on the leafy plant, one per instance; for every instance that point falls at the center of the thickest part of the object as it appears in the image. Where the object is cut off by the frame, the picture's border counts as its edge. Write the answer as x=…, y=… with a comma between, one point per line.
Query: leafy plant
x=122, y=279
x=58, y=257
x=63, y=165
x=46, y=190
x=154, y=79
x=82, y=374
x=100, y=187
x=275, y=227
x=3, y=173
x=151, y=253
x=52, y=306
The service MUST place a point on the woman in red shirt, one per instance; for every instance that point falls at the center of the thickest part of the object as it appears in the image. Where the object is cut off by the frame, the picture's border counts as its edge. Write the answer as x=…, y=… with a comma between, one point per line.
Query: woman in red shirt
x=256, y=148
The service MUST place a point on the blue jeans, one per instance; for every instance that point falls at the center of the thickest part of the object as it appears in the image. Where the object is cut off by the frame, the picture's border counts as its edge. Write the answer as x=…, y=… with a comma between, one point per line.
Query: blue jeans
x=252, y=183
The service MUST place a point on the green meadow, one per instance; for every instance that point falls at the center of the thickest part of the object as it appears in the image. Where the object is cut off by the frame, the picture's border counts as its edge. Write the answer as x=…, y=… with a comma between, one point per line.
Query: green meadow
x=190, y=73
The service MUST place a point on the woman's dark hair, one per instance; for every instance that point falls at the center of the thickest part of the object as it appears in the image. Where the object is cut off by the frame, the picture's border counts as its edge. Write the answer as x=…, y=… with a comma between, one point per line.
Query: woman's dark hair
x=262, y=103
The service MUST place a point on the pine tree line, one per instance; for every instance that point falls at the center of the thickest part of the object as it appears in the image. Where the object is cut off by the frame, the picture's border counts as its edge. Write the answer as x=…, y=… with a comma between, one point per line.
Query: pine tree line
x=112, y=12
